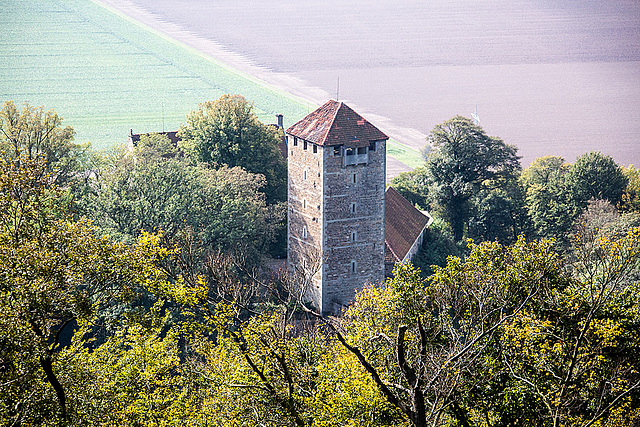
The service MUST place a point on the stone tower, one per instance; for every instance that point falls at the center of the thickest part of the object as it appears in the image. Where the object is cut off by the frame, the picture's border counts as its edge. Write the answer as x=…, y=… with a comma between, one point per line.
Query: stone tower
x=337, y=169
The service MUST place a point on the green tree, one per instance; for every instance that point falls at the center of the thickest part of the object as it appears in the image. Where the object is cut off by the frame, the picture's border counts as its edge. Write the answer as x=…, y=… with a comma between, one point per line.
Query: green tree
x=463, y=158
x=33, y=132
x=227, y=132
x=134, y=378
x=413, y=186
x=258, y=360
x=500, y=214
x=437, y=246
x=576, y=352
x=630, y=201
x=595, y=176
x=154, y=188
x=428, y=345
x=557, y=193
x=547, y=200
x=54, y=272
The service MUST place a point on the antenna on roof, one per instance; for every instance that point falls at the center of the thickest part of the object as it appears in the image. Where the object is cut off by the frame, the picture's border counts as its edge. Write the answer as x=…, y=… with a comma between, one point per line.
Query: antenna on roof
x=338, y=90
x=474, y=116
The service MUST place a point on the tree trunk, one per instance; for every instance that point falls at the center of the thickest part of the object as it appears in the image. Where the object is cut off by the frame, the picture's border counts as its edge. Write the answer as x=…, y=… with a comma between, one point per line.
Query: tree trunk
x=460, y=415
x=419, y=416
x=47, y=365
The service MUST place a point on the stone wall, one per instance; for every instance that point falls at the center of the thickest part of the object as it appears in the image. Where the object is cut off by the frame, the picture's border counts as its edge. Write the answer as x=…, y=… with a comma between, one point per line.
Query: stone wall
x=336, y=215
x=354, y=226
x=305, y=213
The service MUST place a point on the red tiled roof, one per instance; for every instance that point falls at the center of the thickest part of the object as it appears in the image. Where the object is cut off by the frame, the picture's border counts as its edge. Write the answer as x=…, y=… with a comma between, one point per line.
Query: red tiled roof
x=403, y=224
x=335, y=123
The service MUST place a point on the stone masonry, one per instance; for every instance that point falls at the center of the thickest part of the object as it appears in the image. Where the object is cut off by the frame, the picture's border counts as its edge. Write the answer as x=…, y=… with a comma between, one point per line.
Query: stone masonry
x=337, y=166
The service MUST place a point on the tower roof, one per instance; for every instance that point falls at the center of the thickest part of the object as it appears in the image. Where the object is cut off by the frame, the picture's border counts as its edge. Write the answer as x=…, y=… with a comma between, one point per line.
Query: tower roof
x=335, y=123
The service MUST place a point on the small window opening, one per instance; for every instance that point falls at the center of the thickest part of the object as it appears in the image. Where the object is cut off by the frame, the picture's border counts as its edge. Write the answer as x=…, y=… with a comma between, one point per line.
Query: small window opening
x=304, y=145
x=355, y=178
x=354, y=236
x=362, y=150
x=349, y=151
x=372, y=146
x=304, y=175
x=337, y=149
x=353, y=208
x=304, y=203
x=353, y=266
x=315, y=148
x=304, y=232
x=295, y=141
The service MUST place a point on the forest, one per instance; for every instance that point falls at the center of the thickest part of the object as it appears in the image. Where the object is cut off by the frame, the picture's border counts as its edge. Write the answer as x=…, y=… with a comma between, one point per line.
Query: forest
x=135, y=287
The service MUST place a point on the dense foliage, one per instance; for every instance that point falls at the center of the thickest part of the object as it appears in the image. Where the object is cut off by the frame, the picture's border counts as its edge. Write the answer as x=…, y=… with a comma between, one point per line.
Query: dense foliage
x=227, y=132
x=464, y=162
x=155, y=188
x=157, y=312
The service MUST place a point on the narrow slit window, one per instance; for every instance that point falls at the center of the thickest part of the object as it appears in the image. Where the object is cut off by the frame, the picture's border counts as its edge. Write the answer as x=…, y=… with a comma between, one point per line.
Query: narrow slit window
x=353, y=208
x=353, y=266
x=304, y=145
x=354, y=236
x=315, y=148
x=295, y=141
x=355, y=178
x=304, y=203
x=304, y=232
x=304, y=175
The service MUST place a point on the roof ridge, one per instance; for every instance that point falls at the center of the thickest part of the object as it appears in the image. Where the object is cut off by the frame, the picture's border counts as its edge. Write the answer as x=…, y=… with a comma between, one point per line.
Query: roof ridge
x=333, y=119
x=343, y=125
x=386, y=242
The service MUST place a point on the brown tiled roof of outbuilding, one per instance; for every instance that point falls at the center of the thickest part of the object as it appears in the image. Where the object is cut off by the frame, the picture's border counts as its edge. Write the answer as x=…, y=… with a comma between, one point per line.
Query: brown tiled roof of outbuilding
x=403, y=224
x=335, y=123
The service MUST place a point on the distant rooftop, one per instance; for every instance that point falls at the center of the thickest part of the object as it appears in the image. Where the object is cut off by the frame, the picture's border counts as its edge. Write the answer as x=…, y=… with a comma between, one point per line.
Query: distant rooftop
x=335, y=123
x=134, y=138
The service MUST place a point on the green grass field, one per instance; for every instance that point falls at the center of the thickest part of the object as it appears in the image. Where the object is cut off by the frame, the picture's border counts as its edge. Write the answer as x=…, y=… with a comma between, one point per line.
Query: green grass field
x=405, y=154
x=105, y=74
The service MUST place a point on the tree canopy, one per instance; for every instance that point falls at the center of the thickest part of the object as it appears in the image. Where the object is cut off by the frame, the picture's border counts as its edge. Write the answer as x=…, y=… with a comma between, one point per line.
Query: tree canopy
x=463, y=160
x=227, y=132
x=630, y=201
x=154, y=188
x=54, y=272
x=595, y=176
x=510, y=332
x=557, y=192
x=33, y=132
x=413, y=186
